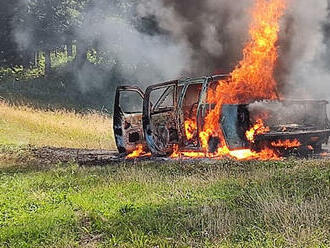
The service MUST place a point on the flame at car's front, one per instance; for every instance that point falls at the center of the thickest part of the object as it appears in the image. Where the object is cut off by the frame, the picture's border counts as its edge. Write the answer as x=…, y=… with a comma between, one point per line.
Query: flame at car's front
x=251, y=80
x=240, y=115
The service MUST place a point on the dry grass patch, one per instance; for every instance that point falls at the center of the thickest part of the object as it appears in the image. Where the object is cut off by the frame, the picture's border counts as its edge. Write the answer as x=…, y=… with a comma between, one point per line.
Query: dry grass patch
x=24, y=125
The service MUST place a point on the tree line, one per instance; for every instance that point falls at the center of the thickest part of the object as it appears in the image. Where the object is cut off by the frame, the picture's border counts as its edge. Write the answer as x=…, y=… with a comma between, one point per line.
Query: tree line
x=31, y=27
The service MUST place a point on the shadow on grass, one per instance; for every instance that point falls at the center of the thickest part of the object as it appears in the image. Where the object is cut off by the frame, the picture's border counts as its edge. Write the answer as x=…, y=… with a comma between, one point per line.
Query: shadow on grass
x=21, y=160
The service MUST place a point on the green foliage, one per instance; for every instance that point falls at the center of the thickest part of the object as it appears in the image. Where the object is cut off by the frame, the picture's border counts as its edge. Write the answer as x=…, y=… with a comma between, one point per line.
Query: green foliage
x=19, y=73
x=227, y=204
x=59, y=59
x=53, y=21
x=37, y=25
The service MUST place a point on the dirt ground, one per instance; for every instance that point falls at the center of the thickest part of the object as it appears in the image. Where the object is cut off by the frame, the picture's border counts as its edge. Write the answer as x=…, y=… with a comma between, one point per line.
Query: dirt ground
x=49, y=155
x=80, y=156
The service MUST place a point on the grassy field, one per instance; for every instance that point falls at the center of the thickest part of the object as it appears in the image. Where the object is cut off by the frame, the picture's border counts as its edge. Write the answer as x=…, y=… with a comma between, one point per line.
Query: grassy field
x=150, y=204
x=59, y=128
x=226, y=204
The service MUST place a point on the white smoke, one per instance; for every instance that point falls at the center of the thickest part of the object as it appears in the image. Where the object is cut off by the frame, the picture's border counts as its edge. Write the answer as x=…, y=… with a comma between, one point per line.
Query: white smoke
x=202, y=37
x=157, y=57
x=307, y=58
x=139, y=57
x=22, y=32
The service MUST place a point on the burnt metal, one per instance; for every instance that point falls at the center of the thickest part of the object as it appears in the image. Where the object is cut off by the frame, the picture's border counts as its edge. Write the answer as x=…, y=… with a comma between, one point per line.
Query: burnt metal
x=127, y=127
x=213, y=144
x=234, y=124
x=134, y=137
x=310, y=125
x=315, y=139
x=160, y=124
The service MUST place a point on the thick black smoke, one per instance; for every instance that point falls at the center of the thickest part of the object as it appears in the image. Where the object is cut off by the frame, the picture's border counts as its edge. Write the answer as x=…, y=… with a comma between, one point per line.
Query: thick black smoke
x=214, y=30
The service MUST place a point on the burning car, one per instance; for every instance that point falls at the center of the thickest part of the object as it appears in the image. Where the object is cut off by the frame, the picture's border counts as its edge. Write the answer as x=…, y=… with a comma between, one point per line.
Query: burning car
x=172, y=115
x=242, y=115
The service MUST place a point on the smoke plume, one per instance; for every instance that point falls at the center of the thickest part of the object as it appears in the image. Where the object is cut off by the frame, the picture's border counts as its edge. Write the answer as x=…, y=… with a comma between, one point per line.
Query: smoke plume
x=215, y=30
x=305, y=53
x=141, y=57
x=191, y=38
x=194, y=38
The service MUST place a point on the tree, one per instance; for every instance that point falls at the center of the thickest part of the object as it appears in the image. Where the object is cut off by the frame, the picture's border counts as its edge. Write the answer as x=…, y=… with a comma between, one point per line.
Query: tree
x=10, y=52
x=42, y=25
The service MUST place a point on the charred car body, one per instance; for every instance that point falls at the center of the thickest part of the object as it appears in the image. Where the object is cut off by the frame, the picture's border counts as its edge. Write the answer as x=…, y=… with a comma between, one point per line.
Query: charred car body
x=156, y=118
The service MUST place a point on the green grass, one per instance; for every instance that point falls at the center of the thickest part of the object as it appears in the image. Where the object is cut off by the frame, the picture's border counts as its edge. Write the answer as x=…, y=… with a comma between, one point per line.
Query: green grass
x=149, y=204
x=225, y=204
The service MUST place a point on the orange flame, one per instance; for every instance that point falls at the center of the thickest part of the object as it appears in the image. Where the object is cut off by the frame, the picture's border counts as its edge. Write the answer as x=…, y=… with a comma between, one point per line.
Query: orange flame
x=251, y=80
x=253, y=77
x=190, y=128
x=176, y=153
x=286, y=143
x=268, y=154
x=258, y=128
x=243, y=154
x=138, y=152
x=324, y=154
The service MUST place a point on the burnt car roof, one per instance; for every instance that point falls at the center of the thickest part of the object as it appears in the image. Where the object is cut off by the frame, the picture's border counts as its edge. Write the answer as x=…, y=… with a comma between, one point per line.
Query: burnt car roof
x=204, y=78
x=188, y=80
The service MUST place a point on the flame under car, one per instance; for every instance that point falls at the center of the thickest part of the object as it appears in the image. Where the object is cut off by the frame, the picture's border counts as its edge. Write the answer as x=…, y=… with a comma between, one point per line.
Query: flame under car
x=172, y=114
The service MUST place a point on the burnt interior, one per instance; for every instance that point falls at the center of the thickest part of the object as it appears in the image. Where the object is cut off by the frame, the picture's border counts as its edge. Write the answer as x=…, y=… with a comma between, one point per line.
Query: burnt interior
x=189, y=106
x=133, y=137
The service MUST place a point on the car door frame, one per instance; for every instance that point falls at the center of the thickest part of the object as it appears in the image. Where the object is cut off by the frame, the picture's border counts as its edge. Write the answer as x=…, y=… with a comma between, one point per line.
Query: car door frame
x=149, y=132
x=119, y=116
